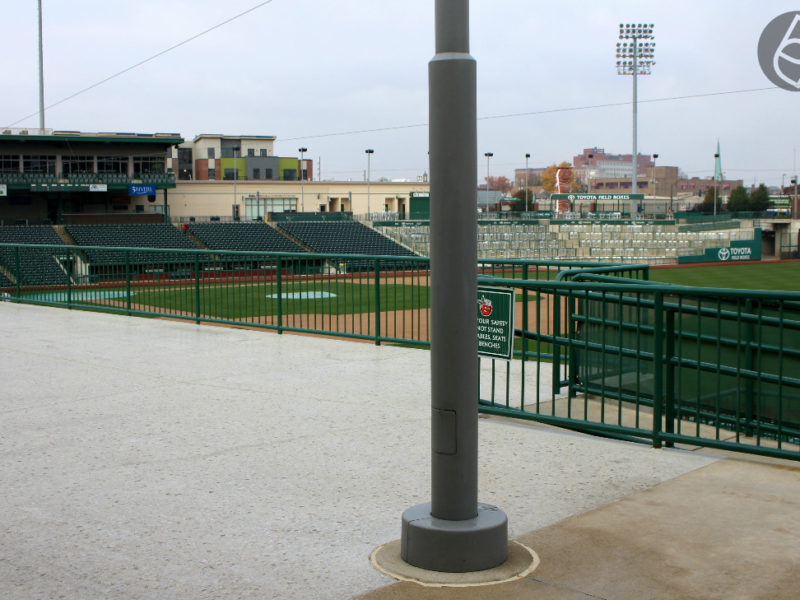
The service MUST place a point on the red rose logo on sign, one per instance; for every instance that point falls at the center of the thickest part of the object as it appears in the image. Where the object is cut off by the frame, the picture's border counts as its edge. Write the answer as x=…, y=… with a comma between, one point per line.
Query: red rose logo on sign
x=486, y=306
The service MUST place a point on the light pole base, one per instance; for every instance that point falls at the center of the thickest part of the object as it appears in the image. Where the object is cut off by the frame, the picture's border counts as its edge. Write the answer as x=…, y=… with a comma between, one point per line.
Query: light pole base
x=454, y=546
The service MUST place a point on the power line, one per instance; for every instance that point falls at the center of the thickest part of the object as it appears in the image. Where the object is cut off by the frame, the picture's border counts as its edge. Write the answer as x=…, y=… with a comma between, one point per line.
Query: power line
x=146, y=60
x=534, y=113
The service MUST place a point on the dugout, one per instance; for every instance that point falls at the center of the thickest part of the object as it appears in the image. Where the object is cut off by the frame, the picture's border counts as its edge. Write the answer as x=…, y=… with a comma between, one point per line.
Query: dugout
x=47, y=176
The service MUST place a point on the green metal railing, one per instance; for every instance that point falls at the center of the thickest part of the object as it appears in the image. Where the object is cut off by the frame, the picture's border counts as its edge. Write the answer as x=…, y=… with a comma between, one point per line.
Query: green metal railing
x=598, y=348
x=662, y=363
x=376, y=298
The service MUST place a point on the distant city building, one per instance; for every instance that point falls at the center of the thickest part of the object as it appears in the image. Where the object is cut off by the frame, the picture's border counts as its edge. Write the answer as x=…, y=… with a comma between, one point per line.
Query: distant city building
x=224, y=157
x=603, y=165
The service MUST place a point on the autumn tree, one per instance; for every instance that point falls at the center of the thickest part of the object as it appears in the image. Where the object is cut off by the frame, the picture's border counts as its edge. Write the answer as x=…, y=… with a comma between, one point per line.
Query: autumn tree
x=549, y=178
x=500, y=184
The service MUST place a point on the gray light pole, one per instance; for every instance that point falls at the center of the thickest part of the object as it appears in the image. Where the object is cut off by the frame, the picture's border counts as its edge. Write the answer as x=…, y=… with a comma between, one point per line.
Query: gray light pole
x=716, y=157
x=589, y=175
x=235, y=177
x=527, y=179
x=302, y=178
x=635, y=58
x=453, y=533
x=655, y=180
x=488, y=156
x=369, y=152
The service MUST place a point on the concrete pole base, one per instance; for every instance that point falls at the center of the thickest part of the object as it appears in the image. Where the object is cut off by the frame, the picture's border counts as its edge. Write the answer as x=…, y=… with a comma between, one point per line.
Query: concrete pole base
x=454, y=546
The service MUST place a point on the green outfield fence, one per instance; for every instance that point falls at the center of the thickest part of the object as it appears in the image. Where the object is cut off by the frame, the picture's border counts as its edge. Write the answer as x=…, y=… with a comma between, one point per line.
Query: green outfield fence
x=598, y=348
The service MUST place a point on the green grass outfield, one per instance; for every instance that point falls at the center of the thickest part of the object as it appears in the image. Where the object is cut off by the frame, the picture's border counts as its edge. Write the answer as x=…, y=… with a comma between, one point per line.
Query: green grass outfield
x=244, y=300
x=783, y=276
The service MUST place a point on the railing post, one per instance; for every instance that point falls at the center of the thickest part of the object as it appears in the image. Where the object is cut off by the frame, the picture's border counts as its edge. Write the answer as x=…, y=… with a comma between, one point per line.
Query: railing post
x=17, y=273
x=69, y=280
x=658, y=366
x=556, y=347
x=749, y=363
x=128, y=280
x=197, y=288
x=278, y=276
x=524, y=328
x=377, y=303
x=670, y=382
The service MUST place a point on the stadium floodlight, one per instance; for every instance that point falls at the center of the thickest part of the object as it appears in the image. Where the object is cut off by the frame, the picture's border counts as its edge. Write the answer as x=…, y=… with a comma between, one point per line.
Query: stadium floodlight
x=302, y=151
x=369, y=152
x=635, y=57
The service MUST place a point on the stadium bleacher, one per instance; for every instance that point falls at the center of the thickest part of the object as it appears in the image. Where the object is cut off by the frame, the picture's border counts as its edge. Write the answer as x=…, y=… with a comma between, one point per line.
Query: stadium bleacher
x=254, y=237
x=141, y=235
x=343, y=237
x=37, y=266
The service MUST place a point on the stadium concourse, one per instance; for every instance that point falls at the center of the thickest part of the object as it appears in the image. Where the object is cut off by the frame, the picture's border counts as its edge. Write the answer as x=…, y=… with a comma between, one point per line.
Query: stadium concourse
x=146, y=458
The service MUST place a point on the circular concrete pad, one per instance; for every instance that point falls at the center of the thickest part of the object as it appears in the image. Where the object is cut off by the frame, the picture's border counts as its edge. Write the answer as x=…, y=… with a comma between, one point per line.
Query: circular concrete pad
x=521, y=562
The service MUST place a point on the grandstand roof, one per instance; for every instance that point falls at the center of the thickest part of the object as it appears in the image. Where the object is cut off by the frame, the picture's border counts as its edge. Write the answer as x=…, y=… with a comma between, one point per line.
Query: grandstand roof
x=22, y=135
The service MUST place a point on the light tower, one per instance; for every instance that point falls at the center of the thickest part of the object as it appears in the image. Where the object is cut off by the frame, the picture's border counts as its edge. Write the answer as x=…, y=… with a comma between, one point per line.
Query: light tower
x=635, y=57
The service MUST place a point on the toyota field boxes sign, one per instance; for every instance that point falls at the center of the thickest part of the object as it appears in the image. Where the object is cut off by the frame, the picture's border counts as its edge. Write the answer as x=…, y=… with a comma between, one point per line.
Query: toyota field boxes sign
x=495, y=308
x=739, y=250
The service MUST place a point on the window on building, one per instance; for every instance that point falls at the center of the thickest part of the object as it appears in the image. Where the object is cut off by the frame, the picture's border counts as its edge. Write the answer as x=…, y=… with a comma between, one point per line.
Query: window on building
x=147, y=164
x=212, y=173
x=228, y=174
x=9, y=163
x=39, y=164
x=211, y=153
x=290, y=174
x=263, y=152
x=257, y=207
x=256, y=173
x=113, y=164
x=251, y=152
x=71, y=165
x=267, y=173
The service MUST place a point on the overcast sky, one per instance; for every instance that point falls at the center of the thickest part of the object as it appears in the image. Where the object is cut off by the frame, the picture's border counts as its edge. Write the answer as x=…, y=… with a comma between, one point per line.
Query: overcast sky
x=313, y=72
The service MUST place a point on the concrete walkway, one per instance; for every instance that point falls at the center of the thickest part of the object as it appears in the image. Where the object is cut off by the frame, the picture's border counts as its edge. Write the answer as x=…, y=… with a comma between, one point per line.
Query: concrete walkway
x=142, y=458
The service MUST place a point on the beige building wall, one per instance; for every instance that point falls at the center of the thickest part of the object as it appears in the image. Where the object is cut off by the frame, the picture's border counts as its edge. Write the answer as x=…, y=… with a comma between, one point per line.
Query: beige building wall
x=216, y=198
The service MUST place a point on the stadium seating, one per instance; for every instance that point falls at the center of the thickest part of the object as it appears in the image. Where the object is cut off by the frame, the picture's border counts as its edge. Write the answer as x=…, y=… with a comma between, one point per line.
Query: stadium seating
x=37, y=266
x=343, y=237
x=254, y=236
x=652, y=243
x=150, y=235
